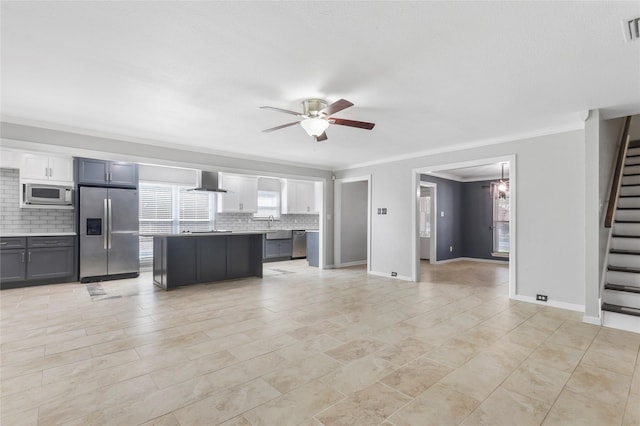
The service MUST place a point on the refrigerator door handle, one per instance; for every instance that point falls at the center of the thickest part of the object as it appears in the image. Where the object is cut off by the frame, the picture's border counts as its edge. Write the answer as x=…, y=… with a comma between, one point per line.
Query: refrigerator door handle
x=104, y=219
x=110, y=222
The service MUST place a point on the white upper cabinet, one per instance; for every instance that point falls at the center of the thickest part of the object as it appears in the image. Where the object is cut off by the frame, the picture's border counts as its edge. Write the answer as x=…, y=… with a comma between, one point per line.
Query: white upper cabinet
x=299, y=197
x=49, y=168
x=241, y=195
x=9, y=159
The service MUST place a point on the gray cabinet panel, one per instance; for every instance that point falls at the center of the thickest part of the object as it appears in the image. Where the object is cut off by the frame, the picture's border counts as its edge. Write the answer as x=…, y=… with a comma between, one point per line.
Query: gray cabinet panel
x=13, y=265
x=123, y=174
x=13, y=242
x=45, y=242
x=45, y=260
x=185, y=260
x=313, y=251
x=238, y=263
x=212, y=259
x=182, y=265
x=277, y=249
x=47, y=263
x=91, y=171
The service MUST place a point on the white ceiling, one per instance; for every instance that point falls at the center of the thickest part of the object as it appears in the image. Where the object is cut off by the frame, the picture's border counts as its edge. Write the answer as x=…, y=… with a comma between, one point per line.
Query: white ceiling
x=431, y=75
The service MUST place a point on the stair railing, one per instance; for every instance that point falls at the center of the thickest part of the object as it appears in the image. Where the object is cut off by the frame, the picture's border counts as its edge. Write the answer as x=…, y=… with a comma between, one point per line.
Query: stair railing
x=617, y=176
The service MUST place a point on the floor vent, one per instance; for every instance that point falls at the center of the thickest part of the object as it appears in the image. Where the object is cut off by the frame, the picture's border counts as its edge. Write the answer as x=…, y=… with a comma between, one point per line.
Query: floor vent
x=631, y=29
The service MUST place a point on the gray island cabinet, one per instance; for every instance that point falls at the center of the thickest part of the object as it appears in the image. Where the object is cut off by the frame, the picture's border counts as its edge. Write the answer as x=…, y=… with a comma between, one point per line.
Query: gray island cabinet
x=185, y=259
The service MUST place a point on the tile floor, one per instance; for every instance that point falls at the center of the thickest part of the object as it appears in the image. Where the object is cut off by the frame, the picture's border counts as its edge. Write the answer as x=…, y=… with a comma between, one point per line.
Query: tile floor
x=310, y=347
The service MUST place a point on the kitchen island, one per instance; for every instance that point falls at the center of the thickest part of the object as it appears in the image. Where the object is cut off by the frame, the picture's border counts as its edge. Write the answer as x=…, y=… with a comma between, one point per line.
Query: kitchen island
x=183, y=259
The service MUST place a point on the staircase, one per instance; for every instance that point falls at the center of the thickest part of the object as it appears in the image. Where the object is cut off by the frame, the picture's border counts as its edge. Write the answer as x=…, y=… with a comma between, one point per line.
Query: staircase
x=621, y=297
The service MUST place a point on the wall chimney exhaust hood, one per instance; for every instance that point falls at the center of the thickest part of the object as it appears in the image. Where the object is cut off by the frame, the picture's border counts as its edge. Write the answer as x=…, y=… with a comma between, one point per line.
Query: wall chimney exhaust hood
x=208, y=181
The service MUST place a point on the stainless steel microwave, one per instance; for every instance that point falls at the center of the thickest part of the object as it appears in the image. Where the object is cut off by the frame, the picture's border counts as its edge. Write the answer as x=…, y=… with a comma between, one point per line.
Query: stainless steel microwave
x=39, y=194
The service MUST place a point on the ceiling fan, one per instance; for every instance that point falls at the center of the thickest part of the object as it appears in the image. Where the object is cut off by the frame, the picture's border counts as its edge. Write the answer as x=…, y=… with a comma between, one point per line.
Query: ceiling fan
x=317, y=116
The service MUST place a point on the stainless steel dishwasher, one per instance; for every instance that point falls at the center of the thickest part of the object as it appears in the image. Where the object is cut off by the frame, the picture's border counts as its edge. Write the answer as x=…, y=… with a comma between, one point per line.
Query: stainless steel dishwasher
x=299, y=244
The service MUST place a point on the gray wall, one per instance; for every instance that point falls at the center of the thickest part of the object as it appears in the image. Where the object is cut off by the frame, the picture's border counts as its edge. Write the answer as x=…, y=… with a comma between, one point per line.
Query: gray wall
x=477, y=220
x=449, y=226
x=353, y=236
x=14, y=219
x=468, y=218
x=550, y=245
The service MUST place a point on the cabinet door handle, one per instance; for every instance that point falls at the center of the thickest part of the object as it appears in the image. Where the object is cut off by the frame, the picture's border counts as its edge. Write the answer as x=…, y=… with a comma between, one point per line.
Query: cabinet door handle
x=29, y=259
x=22, y=257
x=4, y=243
x=46, y=171
x=50, y=172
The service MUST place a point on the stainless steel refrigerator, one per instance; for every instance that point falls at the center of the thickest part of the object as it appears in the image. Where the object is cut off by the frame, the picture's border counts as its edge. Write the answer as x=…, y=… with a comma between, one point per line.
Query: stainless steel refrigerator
x=108, y=233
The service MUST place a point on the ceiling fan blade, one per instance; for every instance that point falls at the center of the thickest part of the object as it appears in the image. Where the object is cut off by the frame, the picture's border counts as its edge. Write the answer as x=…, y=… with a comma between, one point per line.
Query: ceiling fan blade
x=353, y=123
x=286, y=111
x=322, y=137
x=282, y=126
x=338, y=105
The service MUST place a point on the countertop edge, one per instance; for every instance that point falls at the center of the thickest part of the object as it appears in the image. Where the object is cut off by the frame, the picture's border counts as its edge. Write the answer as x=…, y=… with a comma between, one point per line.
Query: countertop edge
x=37, y=234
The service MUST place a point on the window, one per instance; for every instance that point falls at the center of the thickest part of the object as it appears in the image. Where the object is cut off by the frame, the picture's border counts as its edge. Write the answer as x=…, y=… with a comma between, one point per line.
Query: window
x=269, y=190
x=425, y=216
x=268, y=204
x=166, y=209
x=501, y=243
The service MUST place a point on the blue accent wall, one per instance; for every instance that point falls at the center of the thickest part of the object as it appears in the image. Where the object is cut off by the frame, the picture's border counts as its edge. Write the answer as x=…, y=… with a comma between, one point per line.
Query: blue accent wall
x=449, y=226
x=467, y=221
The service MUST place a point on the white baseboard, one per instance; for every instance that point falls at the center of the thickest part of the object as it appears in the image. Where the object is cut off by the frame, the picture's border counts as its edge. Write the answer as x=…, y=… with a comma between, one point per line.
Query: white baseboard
x=388, y=275
x=473, y=259
x=552, y=303
x=592, y=320
x=621, y=321
x=356, y=263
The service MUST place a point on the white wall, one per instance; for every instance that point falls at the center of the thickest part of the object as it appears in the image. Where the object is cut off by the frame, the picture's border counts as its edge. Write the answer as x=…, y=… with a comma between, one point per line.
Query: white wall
x=551, y=217
x=353, y=239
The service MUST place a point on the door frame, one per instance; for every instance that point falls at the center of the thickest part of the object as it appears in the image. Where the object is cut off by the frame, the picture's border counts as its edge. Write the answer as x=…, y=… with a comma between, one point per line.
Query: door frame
x=511, y=159
x=433, y=245
x=337, y=224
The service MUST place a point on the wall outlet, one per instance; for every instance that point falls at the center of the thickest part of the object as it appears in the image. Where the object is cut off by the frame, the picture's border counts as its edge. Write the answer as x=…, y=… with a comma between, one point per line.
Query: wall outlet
x=451, y=249
x=379, y=210
x=394, y=274
x=384, y=210
x=442, y=214
x=541, y=297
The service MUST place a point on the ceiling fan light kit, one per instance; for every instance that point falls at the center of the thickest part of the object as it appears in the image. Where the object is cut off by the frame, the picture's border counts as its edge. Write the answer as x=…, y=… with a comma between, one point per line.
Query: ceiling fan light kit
x=316, y=117
x=314, y=126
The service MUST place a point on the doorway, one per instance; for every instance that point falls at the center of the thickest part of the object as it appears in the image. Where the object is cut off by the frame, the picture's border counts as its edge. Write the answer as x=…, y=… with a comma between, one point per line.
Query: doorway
x=427, y=227
x=451, y=247
x=352, y=221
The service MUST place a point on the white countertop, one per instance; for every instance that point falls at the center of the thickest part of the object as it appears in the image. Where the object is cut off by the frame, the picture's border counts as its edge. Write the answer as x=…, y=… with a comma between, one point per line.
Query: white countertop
x=36, y=234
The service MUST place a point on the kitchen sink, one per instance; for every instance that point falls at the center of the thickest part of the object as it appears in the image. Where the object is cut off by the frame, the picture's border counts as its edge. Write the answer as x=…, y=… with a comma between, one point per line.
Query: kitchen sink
x=278, y=234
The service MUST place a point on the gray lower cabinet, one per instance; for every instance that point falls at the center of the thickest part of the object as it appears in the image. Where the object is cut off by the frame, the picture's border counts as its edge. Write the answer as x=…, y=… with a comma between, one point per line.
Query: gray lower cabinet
x=277, y=249
x=184, y=260
x=39, y=260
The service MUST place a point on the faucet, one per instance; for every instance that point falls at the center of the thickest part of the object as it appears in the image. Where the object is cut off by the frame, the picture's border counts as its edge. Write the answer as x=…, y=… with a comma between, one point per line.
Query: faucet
x=270, y=221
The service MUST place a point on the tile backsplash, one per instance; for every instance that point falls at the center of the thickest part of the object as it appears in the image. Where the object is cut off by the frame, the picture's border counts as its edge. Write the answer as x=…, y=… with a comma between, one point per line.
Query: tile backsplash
x=245, y=222
x=13, y=219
